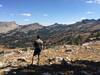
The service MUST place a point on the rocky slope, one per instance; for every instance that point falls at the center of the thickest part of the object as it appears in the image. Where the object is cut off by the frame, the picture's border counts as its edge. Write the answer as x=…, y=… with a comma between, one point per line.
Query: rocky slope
x=60, y=60
x=29, y=27
x=7, y=26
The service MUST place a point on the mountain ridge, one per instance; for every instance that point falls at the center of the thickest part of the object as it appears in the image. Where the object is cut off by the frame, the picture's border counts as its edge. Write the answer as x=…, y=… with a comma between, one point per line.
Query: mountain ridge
x=55, y=34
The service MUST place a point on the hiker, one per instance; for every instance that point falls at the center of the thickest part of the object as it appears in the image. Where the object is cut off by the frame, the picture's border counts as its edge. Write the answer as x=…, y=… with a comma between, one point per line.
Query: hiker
x=38, y=46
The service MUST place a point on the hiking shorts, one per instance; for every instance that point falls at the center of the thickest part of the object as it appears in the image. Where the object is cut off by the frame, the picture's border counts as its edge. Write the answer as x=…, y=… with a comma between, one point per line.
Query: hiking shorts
x=37, y=51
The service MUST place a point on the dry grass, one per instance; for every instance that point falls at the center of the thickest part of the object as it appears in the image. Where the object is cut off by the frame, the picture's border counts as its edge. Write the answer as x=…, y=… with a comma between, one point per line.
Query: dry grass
x=77, y=53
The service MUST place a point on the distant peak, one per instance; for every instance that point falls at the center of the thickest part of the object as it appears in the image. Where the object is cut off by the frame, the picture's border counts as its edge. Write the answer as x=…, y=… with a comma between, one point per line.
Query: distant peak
x=88, y=20
x=36, y=23
x=56, y=23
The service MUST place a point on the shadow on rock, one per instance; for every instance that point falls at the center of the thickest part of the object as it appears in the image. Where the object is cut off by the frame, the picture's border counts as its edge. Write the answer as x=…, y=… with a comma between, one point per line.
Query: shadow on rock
x=78, y=67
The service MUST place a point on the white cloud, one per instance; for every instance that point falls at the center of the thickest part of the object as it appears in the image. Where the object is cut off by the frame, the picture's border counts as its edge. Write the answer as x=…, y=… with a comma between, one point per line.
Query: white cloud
x=89, y=12
x=97, y=1
x=82, y=18
x=26, y=14
x=93, y=1
x=1, y=5
x=89, y=1
x=26, y=20
x=45, y=15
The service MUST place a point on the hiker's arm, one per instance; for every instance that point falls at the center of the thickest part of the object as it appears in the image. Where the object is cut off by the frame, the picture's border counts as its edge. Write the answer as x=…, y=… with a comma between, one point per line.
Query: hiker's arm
x=42, y=47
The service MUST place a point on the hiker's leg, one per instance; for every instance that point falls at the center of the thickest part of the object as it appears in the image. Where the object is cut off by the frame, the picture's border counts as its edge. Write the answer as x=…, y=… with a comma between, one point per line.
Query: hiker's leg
x=32, y=59
x=38, y=59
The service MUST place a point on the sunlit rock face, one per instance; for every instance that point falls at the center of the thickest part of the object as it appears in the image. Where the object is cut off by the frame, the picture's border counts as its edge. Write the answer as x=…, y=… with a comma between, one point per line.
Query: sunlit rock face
x=7, y=26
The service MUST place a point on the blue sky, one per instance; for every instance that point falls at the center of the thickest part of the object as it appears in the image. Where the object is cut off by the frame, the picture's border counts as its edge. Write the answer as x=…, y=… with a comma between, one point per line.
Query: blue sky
x=47, y=12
